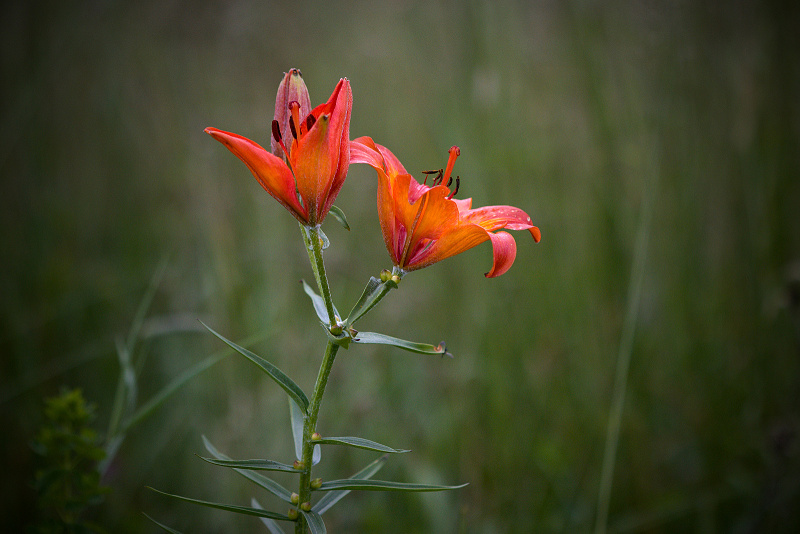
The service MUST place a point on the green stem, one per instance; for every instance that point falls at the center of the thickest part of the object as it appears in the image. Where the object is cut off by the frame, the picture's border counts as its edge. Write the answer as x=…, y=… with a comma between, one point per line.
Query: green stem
x=310, y=426
x=313, y=242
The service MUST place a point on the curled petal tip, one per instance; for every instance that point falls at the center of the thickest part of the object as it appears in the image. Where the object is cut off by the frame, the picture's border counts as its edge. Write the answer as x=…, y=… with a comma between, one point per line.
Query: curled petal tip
x=536, y=233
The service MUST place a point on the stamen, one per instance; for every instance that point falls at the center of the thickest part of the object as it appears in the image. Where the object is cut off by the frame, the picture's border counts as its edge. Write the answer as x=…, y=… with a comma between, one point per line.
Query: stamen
x=454, y=153
x=292, y=127
x=453, y=193
x=310, y=120
x=426, y=173
x=276, y=133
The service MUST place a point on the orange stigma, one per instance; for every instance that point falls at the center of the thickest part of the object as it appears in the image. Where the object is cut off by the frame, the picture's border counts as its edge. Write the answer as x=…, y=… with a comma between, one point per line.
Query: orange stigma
x=451, y=161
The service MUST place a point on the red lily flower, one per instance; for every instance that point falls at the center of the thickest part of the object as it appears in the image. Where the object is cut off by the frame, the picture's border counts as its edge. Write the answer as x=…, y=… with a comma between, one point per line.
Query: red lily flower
x=424, y=224
x=305, y=174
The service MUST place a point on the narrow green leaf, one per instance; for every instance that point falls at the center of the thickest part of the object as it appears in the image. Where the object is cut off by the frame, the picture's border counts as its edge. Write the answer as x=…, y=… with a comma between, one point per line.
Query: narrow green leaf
x=315, y=523
x=179, y=381
x=419, y=348
x=298, y=422
x=246, y=510
x=144, y=305
x=266, y=483
x=256, y=465
x=382, y=485
x=292, y=389
x=332, y=497
x=319, y=304
x=272, y=526
x=359, y=443
x=373, y=293
x=165, y=527
x=338, y=214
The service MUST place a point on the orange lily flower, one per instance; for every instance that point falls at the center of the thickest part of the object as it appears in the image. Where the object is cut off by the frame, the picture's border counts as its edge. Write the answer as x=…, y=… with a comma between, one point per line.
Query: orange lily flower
x=424, y=224
x=306, y=173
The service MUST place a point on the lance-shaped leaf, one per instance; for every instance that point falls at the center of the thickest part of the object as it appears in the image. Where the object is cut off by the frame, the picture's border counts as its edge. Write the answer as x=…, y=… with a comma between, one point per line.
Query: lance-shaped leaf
x=359, y=443
x=319, y=304
x=255, y=465
x=338, y=214
x=372, y=294
x=297, y=433
x=419, y=348
x=332, y=497
x=246, y=510
x=266, y=483
x=382, y=485
x=315, y=523
x=165, y=527
x=292, y=389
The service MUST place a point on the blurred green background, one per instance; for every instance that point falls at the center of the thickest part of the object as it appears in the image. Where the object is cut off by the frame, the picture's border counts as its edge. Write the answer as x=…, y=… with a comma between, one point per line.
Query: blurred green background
x=674, y=122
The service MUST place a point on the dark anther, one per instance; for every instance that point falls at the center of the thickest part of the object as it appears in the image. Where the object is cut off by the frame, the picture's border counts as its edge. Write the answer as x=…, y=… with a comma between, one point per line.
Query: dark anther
x=276, y=131
x=310, y=120
x=426, y=173
x=291, y=126
x=458, y=183
x=450, y=181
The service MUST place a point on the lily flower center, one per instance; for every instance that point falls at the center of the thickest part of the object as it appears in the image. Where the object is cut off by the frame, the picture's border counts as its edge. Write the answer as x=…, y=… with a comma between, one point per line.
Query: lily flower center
x=298, y=128
x=445, y=175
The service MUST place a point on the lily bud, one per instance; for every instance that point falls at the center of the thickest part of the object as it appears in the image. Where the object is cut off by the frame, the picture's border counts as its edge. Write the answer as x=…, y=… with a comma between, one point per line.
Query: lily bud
x=291, y=89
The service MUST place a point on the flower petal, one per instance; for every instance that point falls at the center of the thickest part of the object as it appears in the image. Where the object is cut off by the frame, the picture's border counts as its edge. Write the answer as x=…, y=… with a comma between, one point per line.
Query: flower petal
x=455, y=241
x=270, y=171
x=340, y=122
x=496, y=217
x=504, y=250
x=316, y=156
x=365, y=150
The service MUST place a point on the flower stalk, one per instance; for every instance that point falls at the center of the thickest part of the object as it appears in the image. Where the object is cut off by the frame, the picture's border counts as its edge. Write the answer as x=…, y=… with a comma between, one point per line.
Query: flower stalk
x=310, y=427
x=313, y=240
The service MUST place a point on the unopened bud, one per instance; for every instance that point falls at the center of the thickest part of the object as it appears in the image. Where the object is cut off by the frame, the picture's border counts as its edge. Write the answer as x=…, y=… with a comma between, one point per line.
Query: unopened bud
x=291, y=89
x=336, y=330
x=306, y=506
x=386, y=275
x=292, y=514
x=299, y=465
x=295, y=498
x=396, y=279
x=316, y=436
x=316, y=483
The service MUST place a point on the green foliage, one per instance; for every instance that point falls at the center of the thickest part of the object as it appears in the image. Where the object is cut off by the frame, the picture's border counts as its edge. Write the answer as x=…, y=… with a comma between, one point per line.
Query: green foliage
x=291, y=388
x=359, y=443
x=67, y=481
